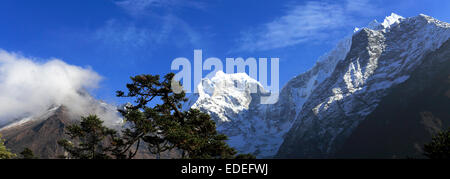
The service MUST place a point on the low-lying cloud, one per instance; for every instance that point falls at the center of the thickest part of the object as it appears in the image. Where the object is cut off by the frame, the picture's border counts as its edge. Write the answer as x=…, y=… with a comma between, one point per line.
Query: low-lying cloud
x=28, y=88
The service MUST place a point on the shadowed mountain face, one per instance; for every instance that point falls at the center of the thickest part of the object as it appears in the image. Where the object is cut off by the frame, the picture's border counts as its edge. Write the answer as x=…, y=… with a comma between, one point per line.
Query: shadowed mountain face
x=406, y=118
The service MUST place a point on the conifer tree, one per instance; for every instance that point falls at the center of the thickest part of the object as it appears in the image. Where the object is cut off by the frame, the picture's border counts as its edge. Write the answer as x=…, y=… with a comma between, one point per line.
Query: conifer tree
x=165, y=126
x=89, y=139
x=439, y=147
x=4, y=152
x=27, y=153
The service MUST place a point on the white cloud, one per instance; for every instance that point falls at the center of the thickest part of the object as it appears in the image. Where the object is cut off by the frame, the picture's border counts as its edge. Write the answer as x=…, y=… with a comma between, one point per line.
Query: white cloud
x=313, y=20
x=29, y=88
x=143, y=7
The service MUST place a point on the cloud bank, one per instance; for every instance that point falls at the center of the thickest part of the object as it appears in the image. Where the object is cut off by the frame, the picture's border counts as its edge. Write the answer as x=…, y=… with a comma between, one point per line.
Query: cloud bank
x=29, y=88
x=313, y=20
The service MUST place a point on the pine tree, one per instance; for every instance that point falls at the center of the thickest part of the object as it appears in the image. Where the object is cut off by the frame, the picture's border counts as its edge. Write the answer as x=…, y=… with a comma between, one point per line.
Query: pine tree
x=4, y=152
x=90, y=139
x=27, y=153
x=439, y=147
x=165, y=126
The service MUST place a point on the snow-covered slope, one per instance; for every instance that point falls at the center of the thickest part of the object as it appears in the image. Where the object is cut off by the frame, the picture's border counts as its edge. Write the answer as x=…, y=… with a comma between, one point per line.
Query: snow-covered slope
x=226, y=95
x=233, y=102
x=379, y=59
x=253, y=127
x=322, y=106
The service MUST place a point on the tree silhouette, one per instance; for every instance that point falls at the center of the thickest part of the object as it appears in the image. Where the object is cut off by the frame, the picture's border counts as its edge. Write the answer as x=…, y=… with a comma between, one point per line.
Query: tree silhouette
x=27, y=153
x=164, y=126
x=439, y=147
x=89, y=139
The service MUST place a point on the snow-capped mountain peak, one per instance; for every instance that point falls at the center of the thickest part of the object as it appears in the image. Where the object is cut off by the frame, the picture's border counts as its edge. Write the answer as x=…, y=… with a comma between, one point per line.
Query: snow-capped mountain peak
x=387, y=23
x=318, y=109
x=254, y=127
x=391, y=20
x=226, y=94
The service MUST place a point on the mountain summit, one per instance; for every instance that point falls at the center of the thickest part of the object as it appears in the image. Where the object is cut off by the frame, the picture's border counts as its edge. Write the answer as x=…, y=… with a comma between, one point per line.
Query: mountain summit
x=328, y=111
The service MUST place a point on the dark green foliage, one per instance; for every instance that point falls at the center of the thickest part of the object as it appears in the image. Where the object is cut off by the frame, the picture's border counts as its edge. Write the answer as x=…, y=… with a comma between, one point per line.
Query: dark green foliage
x=198, y=138
x=27, y=154
x=439, y=147
x=165, y=126
x=89, y=139
x=245, y=156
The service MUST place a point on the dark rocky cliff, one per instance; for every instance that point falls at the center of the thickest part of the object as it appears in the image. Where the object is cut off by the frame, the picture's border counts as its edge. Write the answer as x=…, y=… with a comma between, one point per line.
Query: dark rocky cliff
x=406, y=118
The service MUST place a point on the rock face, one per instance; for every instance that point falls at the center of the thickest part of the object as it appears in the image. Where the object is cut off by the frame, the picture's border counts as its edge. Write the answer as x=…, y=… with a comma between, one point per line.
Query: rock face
x=42, y=130
x=320, y=112
x=408, y=116
x=40, y=134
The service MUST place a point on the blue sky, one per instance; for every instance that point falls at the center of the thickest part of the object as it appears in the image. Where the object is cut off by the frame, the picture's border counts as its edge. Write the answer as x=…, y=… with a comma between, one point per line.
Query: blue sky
x=122, y=38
